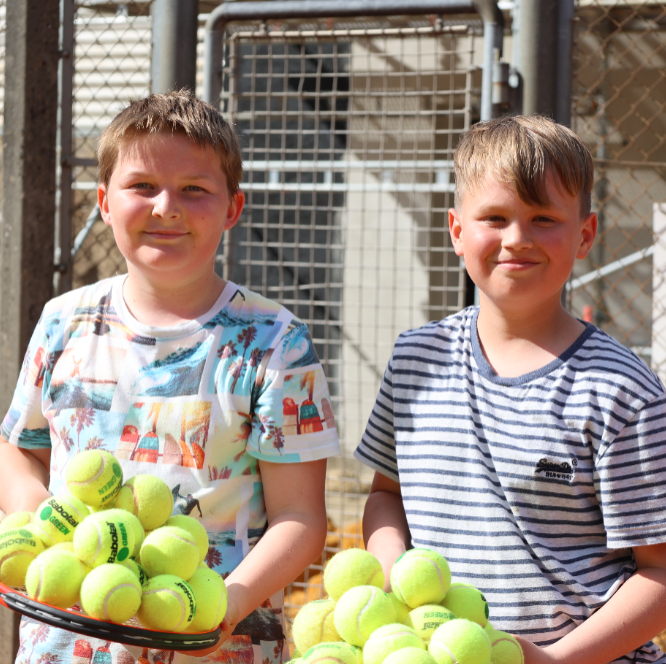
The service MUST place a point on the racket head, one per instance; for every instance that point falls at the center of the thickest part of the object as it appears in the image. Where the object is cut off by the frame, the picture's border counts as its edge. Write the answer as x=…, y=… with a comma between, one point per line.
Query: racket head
x=129, y=634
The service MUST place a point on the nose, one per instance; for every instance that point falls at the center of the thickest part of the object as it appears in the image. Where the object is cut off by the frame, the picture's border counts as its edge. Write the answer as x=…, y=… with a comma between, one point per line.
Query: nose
x=165, y=204
x=517, y=236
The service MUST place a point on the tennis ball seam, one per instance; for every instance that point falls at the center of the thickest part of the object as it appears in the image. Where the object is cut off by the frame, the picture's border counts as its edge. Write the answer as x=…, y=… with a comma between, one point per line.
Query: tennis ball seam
x=323, y=624
x=111, y=592
x=174, y=594
x=446, y=649
x=368, y=603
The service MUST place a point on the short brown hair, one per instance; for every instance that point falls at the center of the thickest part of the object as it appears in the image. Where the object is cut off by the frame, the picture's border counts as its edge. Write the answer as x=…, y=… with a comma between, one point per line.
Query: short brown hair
x=522, y=150
x=177, y=112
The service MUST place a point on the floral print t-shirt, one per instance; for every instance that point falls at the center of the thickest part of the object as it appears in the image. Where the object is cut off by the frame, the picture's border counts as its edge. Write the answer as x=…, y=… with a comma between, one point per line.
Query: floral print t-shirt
x=199, y=405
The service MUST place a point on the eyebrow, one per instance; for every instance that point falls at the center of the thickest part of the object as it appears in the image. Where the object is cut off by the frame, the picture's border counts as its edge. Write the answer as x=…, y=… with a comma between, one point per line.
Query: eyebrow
x=146, y=174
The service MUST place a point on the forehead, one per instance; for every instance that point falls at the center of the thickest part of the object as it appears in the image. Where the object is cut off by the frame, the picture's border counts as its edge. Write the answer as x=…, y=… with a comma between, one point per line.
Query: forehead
x=500, y=189
x=167, y=155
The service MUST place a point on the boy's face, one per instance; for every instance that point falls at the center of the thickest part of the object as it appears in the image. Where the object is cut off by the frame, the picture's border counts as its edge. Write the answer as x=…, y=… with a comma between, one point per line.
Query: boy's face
x=168, y=205
x=520, y=255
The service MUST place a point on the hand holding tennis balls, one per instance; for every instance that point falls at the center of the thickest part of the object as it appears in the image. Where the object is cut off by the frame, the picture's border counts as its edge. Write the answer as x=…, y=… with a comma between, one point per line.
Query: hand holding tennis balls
x=412, y=625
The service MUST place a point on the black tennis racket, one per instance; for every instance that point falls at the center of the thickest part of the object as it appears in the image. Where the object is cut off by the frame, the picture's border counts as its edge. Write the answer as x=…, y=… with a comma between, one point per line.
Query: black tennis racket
x=130, y=634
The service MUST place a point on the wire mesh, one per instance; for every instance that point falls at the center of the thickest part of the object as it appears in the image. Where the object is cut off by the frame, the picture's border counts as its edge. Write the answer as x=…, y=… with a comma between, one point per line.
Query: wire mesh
x=348, y=132
x=619, y=103
x=111, y=65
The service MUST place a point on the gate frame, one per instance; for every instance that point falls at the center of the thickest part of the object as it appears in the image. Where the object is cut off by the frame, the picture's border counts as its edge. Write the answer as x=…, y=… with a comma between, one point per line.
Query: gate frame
x=493, y=29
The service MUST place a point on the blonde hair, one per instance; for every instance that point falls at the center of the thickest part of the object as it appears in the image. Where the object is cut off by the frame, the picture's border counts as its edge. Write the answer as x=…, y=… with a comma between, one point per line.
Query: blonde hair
x=522, y=150
x=177, y=112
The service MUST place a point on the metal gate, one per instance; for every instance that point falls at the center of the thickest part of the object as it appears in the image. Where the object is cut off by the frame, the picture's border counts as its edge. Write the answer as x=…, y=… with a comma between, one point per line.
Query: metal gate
x=619, y=93
x=348, y=129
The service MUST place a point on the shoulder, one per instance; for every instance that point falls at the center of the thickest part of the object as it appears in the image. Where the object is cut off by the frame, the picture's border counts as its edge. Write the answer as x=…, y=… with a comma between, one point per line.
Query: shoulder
x=78, y=301
x=611, y=380
x=247, y=308
x=442, y=336
x=606, y=362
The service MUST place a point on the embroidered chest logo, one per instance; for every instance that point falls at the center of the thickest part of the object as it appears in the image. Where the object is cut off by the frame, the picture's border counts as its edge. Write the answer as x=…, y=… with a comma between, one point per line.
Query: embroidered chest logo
x=556, y=470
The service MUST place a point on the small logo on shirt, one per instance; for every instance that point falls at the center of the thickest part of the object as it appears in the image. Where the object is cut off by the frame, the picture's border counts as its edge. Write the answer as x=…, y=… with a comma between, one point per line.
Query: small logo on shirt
x=555, y=470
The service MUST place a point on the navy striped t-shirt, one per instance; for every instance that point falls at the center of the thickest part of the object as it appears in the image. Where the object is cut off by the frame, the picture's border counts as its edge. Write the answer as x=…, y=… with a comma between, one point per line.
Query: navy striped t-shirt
x=535, y=488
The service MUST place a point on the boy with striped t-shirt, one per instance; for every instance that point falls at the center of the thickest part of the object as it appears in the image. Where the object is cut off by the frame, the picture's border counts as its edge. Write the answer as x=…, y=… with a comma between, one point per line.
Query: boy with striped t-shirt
x=525, y=445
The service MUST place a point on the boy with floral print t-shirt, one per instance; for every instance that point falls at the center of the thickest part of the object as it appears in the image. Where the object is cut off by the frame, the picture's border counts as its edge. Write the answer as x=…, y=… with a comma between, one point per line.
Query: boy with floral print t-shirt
x=229, y=407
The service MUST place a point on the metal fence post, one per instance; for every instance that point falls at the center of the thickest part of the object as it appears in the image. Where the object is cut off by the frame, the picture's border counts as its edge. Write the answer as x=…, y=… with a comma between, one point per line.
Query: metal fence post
x=538, y=53
x=174, y=59
x=28, y=201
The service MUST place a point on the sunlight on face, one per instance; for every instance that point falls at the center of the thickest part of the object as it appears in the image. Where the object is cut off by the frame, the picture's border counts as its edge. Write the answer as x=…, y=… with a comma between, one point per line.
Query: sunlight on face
x=168, y=205
x=519, y=254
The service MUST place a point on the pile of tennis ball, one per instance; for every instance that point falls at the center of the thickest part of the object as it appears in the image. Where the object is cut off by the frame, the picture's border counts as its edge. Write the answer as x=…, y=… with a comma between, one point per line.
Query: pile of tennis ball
x=116, y=549
x=425, y=619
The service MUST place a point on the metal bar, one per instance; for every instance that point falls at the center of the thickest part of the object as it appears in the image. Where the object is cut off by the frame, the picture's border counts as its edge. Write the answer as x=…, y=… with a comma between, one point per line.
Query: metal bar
x=306, y=165
x=63, y=276
x=629, y=260
x=538, y=45
x=563, y=80
x=174, y=42
x=348, y=187
x=28, y=178
x=238, y=11
x=94, y=216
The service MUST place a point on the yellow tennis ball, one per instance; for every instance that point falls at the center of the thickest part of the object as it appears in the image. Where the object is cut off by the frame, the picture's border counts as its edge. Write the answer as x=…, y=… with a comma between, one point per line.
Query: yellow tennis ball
x=128, y=519
x=55, y=576
x=94, y=477
x=387, y=639
x=314, y=624
x=334, y=652
x=425, y=619
x=410, y=655
x=210, y=592
x=98, y=541
x=137, y=570
x=195, y=528
x=360, y=611
x=465, y=601
x=350, y=568
x=420, y=576
x=401, y=610
x=15, y=520
x=18, y=548
x=171, y=551
x=56, y=519
x=505, y=649
x=460, y=642
x=168, y=604
x=111, y=592
x=148, y=498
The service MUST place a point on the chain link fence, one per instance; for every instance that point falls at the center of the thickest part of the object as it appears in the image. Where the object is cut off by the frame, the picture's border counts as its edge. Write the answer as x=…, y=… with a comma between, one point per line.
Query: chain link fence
x=111, y=53
x=619, y=96
x=348, y=130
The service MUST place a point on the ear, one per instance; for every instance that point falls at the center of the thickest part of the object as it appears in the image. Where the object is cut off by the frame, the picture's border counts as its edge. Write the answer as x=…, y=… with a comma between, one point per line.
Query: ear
x=588, y=232
x=103, y=202
x=235, y=209
x=456, y=231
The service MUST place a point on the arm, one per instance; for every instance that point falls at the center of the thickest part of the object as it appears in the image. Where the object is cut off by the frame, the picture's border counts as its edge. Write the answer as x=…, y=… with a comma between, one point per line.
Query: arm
x=296, y=536
x=24, y=477
x=385, y=529
x=633, y=616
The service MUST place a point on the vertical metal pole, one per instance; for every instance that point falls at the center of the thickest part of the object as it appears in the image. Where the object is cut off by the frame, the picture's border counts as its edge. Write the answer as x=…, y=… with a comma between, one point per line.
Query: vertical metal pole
x=28, y=179
x=174, y=42
x=538, y=50
x=28, y=200
x=64, y=258
x=564, y=67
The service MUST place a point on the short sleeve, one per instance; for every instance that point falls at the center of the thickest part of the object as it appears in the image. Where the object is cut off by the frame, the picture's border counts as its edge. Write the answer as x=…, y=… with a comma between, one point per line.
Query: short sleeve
x=377, y=447
x=25, y=424
x=631, y=480
x=292, y=419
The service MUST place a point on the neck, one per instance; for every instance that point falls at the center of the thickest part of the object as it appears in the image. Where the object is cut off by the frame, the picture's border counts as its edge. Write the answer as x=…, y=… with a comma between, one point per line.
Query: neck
x=517, y=342
x=163, y=304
